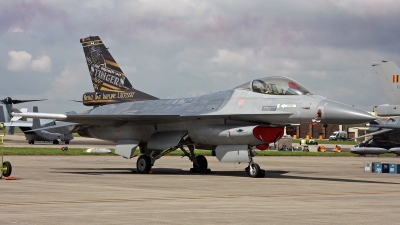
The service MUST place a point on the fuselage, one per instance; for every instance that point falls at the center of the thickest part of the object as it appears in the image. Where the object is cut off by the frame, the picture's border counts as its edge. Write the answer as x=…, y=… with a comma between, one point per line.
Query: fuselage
x=216, y=114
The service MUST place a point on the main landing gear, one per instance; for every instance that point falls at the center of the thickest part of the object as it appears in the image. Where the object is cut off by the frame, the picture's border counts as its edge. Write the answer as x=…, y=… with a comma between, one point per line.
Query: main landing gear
x=200, y=164
x=146, y=161
x=254, y=170
x=143, y=164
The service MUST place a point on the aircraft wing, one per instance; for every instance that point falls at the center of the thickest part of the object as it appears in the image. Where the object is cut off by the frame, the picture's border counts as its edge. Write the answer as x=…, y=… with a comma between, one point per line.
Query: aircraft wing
x=119, y=119
x=375, y=133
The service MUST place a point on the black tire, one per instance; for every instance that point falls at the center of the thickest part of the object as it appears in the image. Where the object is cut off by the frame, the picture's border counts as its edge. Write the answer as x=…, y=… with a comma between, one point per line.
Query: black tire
x=67, y=142
x=8, y=167
x=261, y=174
x=255, y=172
x=55, y=142
x=143, y=164
x=202, y=163
x=33, y=142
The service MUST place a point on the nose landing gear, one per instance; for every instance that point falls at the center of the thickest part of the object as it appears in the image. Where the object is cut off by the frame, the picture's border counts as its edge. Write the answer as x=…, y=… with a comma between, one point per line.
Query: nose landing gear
x=254, y=170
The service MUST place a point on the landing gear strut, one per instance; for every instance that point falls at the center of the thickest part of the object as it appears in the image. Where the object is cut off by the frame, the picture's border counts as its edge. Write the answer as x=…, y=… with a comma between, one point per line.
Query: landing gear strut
x=200, y=164
x=254, y=170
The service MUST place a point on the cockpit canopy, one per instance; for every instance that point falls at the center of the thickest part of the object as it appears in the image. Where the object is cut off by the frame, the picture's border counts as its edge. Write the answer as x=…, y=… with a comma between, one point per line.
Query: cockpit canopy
x=274, y=86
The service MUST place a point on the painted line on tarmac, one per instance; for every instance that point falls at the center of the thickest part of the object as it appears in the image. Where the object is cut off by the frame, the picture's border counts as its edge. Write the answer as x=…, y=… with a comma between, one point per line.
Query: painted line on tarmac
x=197, y=198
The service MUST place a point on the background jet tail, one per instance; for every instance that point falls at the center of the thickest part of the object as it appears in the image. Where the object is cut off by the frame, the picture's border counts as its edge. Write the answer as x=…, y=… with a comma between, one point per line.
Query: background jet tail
x=388, y=73
x=35, y=121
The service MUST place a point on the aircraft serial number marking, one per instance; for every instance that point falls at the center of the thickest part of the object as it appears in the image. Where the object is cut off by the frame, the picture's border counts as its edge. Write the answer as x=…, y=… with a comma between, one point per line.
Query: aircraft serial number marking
x=269, y=108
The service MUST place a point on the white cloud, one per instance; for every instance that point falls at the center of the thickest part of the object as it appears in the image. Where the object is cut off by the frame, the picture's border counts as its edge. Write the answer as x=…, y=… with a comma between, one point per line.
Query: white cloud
x=42, y=64
x=69, y=85
x=226, y=57
x=19, y=61
x=22, y=61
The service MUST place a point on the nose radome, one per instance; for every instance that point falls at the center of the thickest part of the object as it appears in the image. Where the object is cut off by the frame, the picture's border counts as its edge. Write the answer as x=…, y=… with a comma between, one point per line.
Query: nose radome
x=338, y=113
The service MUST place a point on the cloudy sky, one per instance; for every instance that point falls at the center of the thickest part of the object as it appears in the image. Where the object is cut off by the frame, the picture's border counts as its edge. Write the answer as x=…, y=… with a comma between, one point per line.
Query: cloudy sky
x=183, y=48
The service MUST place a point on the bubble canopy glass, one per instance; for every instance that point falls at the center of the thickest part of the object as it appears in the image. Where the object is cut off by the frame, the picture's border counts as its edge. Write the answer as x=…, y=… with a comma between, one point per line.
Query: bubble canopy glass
x=274, y=86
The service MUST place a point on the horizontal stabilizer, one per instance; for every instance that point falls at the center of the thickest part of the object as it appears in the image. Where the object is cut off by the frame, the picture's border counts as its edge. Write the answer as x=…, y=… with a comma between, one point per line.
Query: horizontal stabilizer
x=59, y=124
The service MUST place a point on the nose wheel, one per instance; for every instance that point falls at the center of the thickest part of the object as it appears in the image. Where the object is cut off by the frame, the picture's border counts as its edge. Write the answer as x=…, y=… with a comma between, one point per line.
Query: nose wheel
x=253, y=170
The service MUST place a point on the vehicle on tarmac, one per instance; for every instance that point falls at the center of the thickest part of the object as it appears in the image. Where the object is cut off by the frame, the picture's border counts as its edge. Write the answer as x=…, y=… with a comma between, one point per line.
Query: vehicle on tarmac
x=338, y=135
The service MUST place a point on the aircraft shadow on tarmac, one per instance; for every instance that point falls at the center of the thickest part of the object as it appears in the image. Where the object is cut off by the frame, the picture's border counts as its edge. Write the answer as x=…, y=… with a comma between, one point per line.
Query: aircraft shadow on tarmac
x=275, y=174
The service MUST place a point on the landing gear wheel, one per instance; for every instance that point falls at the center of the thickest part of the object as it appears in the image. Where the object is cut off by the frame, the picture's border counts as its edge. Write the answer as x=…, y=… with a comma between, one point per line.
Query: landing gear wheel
x=201, y=166
x=202, y=163
x=7, y=168
x=254, y=171
x=143, y=164
x=55, y=142
x=67, y=142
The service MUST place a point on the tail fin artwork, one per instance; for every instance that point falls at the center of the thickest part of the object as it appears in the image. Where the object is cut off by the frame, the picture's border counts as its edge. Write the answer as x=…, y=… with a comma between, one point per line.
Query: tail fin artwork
x=388, y=73
x=109, y=81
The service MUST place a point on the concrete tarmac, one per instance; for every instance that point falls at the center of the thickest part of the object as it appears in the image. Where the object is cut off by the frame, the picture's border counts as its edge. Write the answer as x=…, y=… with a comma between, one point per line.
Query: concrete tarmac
x=103, y=190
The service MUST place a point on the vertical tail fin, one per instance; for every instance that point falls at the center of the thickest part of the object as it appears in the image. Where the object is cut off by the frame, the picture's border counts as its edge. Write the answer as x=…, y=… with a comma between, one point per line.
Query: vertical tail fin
x=104, y=70
x=35, y=121
x=388, y=73
x=109, y=82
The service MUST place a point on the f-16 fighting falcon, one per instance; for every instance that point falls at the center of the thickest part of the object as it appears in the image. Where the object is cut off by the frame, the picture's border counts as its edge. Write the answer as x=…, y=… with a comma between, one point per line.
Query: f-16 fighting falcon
x=231, y=123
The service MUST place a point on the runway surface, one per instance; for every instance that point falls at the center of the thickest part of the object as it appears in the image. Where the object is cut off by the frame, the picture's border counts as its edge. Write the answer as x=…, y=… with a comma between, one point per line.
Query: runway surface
x=103, y=190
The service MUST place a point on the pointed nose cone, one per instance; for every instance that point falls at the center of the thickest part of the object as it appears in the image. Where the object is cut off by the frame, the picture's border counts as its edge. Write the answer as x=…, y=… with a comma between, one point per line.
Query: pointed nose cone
x=338, y=113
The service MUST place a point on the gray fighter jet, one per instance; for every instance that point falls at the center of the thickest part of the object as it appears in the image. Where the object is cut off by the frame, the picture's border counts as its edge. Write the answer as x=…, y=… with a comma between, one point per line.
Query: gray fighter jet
x=231, y=123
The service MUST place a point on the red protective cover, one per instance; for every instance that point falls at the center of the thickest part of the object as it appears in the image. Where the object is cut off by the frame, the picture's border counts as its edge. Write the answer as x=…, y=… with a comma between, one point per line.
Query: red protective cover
x=268, y=134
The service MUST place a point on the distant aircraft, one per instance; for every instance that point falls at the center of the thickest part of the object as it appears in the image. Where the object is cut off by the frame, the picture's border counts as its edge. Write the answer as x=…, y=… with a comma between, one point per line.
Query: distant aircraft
x=50, y=134
x=231, y=123
x=385, y=132
x=6, y=107
x=43, y=130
